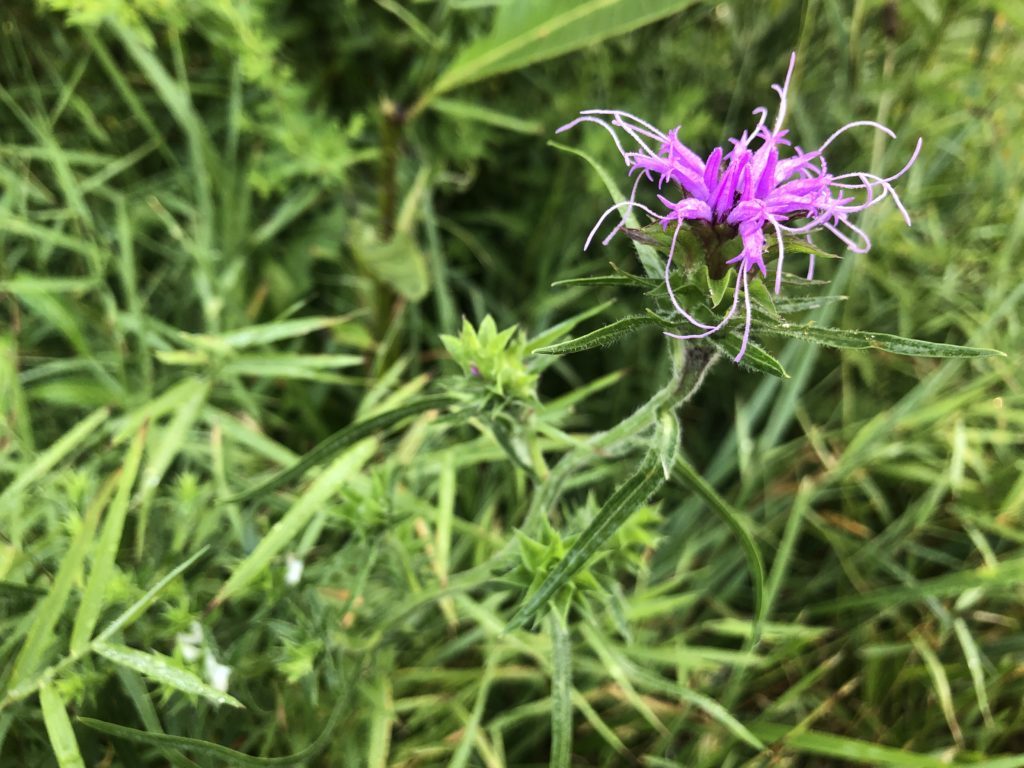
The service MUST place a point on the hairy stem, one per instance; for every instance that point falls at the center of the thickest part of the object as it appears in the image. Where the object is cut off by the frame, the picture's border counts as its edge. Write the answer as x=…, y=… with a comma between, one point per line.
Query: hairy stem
x=689, y=368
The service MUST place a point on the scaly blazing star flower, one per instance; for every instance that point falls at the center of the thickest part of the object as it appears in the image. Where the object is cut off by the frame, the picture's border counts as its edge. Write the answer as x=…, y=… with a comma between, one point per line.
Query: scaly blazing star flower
x=751, y=188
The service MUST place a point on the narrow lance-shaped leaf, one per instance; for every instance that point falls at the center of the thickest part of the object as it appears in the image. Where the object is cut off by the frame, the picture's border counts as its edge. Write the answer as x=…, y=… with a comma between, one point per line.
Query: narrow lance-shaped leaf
x=617, y=281
x=723, y=509
x=58, y=728
x=161, y=669
x=668, y=435
x=756, y=358
x=180, y=744
x=898, y=345
x=557, y=331
x=602, y=337
x=561, y=693
x=786, y=305
x=295, y=519
x=468, y=110
x=529, y=31
x=265, y=333
x=49, y=610
x=164, y=449
x=342, y=439
x=136, y=609
x=105, y=551
x=630, y=495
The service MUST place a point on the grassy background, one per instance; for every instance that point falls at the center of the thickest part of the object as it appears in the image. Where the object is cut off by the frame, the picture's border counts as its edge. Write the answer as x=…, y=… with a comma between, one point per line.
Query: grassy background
x=229, y=229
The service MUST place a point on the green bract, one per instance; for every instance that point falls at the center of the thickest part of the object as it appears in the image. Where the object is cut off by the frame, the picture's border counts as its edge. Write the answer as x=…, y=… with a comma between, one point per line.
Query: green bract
x=493, y=358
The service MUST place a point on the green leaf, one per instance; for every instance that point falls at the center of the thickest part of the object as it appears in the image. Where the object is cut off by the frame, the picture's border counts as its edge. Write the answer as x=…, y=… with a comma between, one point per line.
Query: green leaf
x=762, y=297
x=166, y=742
x=561, y=693
x=326, y=484
x=558, y=330
x=58, y=728
x=843, y=748
x=24, y=284
x=975, y=666
x=994, y=578
x=755, y=358
x=268, y=333
x=718, y=288
x=529, y=31
x=732, y=518
x=52, y=456
x=468, y=110
x=397, y=262
x=617, y=281
x=48, y=611
x=720, y=714
x=602, y=337
x=630, y=495
x=799, y=245
x=940, y=683
x=165, y=446
x=105, y=551
x=789, y=305
x=343, y=438
x=898, y=345
x=668, y=435
x=127, y=617
x=137, y=608
x=714, y=709
x=291, y=366
x=164, y=670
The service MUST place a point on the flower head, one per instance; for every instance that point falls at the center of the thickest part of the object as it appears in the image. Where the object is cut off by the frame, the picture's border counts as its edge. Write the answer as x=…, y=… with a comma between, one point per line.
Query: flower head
x=760, y=187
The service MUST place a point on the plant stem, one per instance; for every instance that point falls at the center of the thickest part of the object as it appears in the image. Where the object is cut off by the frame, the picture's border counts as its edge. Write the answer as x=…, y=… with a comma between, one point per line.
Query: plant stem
x=690, y=365
x=391, y=131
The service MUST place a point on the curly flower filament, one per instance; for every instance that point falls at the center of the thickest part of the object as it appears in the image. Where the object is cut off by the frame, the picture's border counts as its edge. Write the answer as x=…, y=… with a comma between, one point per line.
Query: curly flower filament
x=751, y=187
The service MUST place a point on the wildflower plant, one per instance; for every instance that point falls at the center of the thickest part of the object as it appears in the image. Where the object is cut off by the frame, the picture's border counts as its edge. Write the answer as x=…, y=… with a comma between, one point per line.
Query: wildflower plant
x=753, y=191
x=713, y=254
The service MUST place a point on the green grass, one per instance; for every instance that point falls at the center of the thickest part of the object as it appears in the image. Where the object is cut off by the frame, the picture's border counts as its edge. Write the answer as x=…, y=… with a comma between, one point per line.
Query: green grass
x=232, y=236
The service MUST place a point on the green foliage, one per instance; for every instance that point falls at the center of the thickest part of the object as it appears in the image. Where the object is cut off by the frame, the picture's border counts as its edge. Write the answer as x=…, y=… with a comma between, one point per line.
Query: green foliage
x=234, y=453
x=495, y=359
x=703, y=296
x=537, y=559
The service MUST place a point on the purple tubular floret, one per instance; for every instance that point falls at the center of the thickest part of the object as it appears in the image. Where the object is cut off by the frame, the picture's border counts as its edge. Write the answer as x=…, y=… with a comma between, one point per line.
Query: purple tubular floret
x=755, y=190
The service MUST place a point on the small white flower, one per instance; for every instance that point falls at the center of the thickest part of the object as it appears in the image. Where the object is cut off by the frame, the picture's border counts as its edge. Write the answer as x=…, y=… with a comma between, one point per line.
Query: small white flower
x=293, y=570
x=217, y=674
x=189, y=643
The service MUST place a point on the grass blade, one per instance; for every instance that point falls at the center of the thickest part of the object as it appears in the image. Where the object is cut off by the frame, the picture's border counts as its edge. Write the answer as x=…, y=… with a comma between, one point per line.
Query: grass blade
x=49, y=610
x=167, y=742
x=53, y=455
x=732, y=518
x=340, y=440
x=58, y=728
x=163, y=670
x=561, y=693
x=295, y=519
x=530, y=31
x=844, y=748
x=105, y=551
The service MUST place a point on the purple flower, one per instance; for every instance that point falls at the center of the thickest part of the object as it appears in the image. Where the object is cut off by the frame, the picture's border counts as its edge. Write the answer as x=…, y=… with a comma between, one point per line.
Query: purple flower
x=761, y=185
